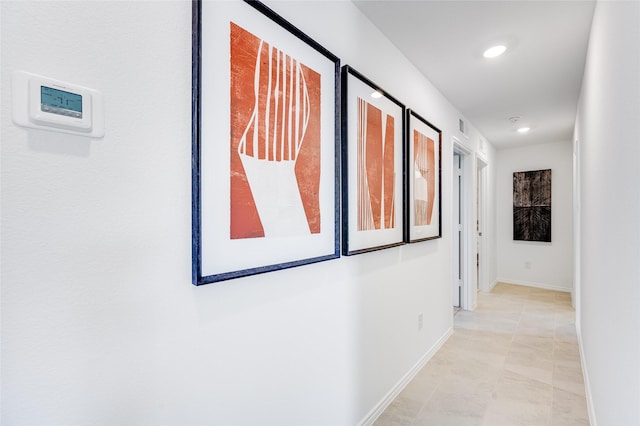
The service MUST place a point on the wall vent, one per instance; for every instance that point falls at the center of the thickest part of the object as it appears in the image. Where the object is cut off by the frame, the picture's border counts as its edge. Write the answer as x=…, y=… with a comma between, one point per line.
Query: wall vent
x=462, y=126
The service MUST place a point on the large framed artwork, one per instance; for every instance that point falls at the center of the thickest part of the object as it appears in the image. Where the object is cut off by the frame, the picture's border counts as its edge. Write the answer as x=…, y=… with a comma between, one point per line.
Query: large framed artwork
x=532, y=205
x=266, y=134
x=424, y=148
x=372, y=166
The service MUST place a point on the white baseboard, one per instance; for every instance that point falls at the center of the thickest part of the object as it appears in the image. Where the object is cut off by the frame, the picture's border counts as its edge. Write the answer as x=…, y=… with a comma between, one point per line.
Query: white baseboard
x=536, y=285
x=492, y=285
x=379, y=408
x=587, y=388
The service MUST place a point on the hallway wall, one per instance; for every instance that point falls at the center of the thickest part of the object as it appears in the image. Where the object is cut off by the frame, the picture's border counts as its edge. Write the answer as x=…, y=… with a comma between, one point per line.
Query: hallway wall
x=539, y=264
x=100, y=321
x=608, y=152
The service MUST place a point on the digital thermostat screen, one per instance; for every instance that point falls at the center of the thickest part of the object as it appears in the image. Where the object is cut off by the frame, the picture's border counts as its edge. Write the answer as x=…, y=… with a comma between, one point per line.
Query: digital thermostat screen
x=60, y=102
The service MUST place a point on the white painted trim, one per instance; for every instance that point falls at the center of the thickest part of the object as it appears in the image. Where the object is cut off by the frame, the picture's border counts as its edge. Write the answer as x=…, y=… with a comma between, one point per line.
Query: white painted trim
x=379, y=408
x=459, y=146
x=481, y=182
x=587, y=387
x=468, y=299
x=491, y=286
x=536, y=285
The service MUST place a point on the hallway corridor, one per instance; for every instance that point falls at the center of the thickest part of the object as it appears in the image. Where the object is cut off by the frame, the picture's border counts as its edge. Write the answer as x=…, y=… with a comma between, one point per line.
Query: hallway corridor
x=512, y=361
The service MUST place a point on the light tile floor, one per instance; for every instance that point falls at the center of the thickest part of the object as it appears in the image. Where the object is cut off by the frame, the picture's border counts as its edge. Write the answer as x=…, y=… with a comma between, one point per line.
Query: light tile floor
x=512, y=361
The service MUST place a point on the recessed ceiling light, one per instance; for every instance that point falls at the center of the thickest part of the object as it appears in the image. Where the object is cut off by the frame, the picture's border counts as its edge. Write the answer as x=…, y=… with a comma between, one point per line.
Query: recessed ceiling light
x=494, y=51
x=376, y=94
x=523, y=129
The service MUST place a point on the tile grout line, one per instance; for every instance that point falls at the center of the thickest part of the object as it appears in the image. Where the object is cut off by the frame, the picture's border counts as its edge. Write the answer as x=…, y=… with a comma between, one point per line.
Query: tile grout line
x=507, y=317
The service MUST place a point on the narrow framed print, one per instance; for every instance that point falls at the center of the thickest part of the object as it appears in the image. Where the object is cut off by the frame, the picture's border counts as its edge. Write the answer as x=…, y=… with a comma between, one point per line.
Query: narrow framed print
x=372, y=166
x=266, y=134
x=532, y=206
x=423, y=184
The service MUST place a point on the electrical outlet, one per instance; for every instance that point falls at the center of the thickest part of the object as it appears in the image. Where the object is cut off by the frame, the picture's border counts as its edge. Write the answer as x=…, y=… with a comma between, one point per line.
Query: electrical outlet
x=420, y=321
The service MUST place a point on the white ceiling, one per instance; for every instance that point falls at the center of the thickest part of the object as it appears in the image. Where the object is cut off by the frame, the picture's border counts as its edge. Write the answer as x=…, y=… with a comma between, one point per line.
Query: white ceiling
x=537, y=79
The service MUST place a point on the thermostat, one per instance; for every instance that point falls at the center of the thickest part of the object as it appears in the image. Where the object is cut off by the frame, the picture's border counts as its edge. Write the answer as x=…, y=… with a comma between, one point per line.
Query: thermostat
x=47, y=104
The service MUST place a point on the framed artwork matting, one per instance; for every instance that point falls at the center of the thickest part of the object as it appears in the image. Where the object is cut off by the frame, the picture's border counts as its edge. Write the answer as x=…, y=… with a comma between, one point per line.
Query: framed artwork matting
x=372, y=166
x=532, y=205
x=265, y=163
x=424, y=148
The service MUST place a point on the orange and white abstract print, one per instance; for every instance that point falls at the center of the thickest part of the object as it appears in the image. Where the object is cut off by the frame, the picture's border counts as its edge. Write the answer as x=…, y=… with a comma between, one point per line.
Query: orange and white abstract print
x=376, y=173
x=424, y=180
x=274, y=141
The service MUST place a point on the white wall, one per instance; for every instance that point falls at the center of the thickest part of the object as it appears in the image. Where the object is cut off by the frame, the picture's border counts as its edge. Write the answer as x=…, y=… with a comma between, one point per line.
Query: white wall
x=550, y=264
x=608, y=135
x=100, y=321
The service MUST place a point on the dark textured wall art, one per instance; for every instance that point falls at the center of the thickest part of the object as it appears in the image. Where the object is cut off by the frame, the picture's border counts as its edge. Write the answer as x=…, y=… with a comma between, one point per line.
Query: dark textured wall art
x=532, y=205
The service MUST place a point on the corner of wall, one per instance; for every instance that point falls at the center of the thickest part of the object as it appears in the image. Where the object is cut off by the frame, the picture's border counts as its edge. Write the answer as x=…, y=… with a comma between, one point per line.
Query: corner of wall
x=382, y=405
x=587, y=387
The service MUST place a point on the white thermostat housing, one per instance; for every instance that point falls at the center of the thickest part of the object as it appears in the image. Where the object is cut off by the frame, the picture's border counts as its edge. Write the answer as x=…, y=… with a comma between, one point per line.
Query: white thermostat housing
x=47, y=104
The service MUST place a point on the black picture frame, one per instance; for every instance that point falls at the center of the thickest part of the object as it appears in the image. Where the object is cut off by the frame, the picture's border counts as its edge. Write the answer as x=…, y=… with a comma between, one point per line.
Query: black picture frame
x=372, y=208
x=532, y=198
x=225, y=245
x=423, y=211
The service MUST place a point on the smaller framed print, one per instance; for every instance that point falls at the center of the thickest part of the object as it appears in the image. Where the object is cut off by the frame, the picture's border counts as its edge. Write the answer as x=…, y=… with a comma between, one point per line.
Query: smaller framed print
x=266, y=137
x=372, y=166
x=424, y=148
x=532, y=206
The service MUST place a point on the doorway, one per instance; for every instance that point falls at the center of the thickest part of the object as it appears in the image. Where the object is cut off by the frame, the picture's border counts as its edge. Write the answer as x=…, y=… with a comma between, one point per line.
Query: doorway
x=458, y=237
x=481, y=178
x=463, y=229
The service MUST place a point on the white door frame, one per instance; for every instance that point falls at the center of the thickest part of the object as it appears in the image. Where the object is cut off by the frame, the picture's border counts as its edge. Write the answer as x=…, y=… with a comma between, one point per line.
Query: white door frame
x=481, y=219
x=457, y=236
x=468, y=295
